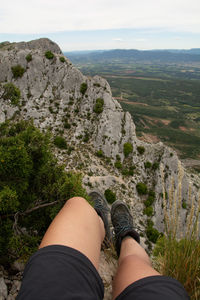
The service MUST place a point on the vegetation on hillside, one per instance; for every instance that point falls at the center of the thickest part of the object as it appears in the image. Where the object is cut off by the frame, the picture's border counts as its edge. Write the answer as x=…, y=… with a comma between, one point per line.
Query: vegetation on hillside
x=98, y=107
x=33, y=188
x=49, y=55
x=12, y=93
x=162, y=97
x=18, y=71
x=177, y=253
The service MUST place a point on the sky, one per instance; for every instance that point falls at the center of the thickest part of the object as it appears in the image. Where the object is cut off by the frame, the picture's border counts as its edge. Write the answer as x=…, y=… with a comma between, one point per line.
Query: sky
x=103, y=24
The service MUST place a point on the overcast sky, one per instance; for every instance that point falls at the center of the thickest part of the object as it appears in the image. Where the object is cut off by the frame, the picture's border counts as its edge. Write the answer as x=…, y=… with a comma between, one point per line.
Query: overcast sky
x=103, y=24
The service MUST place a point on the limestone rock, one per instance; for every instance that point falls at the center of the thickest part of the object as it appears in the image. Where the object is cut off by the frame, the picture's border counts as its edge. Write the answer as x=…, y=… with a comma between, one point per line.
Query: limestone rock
x=3, y=289
x=18, y=266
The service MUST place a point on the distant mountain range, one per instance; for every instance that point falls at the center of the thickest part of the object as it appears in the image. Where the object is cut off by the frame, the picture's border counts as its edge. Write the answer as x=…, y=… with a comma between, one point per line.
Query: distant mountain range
x=125, y=56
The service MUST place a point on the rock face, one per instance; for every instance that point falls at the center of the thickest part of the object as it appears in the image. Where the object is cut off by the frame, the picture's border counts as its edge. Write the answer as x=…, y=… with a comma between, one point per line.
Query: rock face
x=3, y=289
x=57, y=97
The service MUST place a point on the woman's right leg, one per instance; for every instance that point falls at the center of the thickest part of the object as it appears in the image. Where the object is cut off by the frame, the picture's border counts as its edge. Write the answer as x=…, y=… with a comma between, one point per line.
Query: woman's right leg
x=135, y=278
x=133, y=264
x=78, y=226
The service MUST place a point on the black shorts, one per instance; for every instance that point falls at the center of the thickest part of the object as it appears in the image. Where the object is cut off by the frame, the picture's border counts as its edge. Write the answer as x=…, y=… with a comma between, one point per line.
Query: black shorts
x=60, y=273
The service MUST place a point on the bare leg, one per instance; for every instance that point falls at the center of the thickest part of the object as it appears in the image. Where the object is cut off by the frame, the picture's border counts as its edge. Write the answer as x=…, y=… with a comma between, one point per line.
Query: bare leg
x=77, y=225
x=134, y=264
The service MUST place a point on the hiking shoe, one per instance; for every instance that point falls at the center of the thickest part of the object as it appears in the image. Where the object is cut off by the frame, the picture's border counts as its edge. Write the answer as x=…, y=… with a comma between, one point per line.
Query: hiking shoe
x=122, y=223
x=102, y=209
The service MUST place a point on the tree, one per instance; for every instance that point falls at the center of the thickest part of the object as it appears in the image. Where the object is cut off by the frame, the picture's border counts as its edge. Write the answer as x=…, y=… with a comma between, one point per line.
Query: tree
x=98, y=107
x=12, y=93
x=17, y=71
x=33, y=188
x=128, y=148
x=83, y=88
x=49, y=55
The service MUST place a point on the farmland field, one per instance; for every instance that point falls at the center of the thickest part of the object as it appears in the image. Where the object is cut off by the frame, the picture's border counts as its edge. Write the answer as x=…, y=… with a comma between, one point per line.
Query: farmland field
x=163, y=99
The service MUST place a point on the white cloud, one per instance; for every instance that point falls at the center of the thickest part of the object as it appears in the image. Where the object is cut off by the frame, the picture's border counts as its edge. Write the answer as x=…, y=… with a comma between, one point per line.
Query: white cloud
x=118, y=40
x=140, y=40
x=45, y=16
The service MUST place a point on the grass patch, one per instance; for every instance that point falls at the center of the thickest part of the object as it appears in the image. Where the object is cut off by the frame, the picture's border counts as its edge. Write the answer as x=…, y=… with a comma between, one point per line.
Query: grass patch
x=177, y=253
x=110, y=196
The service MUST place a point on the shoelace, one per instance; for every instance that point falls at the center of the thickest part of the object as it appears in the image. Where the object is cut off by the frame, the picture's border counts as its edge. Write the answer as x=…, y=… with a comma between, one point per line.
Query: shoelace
x=100, y=205
x=123, y=225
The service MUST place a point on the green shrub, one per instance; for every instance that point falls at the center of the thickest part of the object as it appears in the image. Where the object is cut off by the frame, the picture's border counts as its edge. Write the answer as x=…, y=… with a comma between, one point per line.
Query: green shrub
x=60, y=142
x=147, y=164
x=131, y=170
x=128, y=171
x=67, y=125
x=99, y=153
x=150, y=200
x=152, y=234
x=8, y=199
x=155, y=166
x=70, y=149
x=51, y=109
x=29, y=57
x=150, y=223
x=12, y=93
x=98, y=107
x=118, y=157
x=152, y=194
x=148, y=211
x=141, y=188
x=49, y=55
x=140, y=149
x=125, y=172
x=184, y=204
x=83, y=88
x=86, y=137
x=110, y=196
x=17, y=71
x=62, y=59
x=128, y=148
x=30, y=177
x=118, y=164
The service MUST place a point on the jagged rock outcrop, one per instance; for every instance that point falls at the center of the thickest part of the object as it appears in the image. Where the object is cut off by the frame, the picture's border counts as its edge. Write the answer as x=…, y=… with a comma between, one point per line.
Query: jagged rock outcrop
x=59, y=98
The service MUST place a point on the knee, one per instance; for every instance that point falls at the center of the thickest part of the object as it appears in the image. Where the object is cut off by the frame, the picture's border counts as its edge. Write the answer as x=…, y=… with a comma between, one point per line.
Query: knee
x=136, y=259
x=79, y=202
x=76, y=199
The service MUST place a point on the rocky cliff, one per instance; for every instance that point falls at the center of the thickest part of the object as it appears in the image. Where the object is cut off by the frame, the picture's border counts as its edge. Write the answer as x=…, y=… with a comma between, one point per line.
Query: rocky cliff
x=101, y=138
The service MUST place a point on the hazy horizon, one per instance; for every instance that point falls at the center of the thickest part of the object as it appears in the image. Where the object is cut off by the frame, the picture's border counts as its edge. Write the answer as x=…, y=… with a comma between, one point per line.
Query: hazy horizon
x=164, y=49
x=103, y=24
